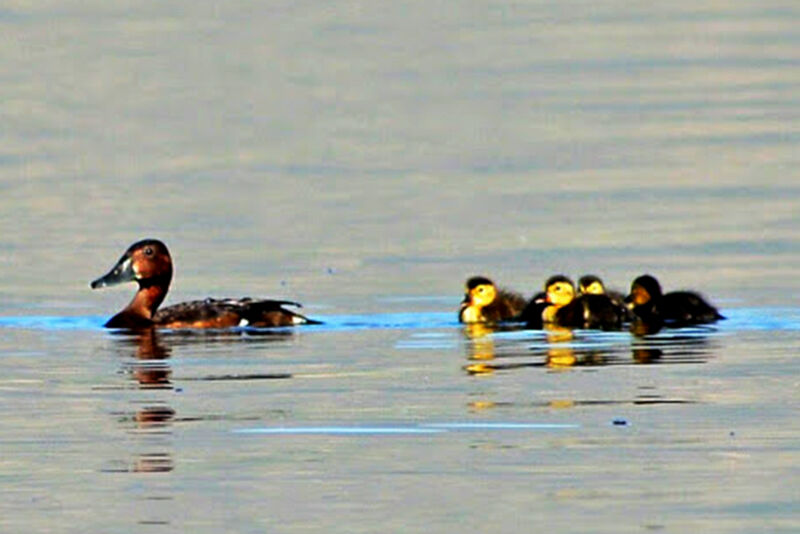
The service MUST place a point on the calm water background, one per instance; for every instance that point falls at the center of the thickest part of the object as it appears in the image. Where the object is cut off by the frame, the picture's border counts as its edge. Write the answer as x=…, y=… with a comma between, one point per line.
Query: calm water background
x=364, y=158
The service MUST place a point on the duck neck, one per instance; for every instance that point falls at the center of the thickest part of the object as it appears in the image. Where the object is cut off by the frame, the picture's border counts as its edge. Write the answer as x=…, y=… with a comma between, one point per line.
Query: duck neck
x=149, y=297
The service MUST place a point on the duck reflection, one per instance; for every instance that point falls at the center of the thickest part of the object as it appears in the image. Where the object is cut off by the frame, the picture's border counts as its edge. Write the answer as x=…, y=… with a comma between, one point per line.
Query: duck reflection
x=146, y=364
x=146, y=358
x=152, y=463
x=154, y=417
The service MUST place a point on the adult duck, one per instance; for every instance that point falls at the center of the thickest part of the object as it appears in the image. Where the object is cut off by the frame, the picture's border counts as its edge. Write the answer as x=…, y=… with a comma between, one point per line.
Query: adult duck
x=149, y=264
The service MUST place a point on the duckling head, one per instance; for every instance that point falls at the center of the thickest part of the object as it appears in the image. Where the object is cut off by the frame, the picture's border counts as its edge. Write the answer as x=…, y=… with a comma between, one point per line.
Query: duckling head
x=560, y=290
x=643, y=290
x=480, y=292
x=591, y=285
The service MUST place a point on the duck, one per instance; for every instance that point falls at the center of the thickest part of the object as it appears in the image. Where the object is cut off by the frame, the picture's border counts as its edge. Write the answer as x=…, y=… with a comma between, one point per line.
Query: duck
x=590, y=284
x=149, y=264
x=484, y=302
x=589, y=310
x=651, y=305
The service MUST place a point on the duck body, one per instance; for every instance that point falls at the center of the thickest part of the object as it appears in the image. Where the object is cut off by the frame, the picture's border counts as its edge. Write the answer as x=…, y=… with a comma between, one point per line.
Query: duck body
x=486, y=303
x=224, y=313
x=676, y=308
x=148, y=263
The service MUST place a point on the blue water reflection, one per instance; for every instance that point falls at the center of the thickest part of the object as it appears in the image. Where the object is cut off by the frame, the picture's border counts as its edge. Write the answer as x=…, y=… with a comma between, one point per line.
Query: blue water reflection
x=738, y=319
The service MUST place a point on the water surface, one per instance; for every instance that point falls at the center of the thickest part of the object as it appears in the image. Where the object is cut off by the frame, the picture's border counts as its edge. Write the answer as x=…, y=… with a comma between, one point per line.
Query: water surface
x=365, y=159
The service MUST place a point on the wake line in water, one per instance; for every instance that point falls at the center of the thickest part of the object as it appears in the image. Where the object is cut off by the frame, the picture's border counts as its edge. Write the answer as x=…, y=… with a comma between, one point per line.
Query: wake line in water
x=383, y=321
x=738, y=319
x=428, y=428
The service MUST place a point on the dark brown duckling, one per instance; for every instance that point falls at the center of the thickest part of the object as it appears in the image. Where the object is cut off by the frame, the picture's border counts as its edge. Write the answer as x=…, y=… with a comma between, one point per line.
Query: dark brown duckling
x=149, y=264
x=676, y=308
x=486, y=303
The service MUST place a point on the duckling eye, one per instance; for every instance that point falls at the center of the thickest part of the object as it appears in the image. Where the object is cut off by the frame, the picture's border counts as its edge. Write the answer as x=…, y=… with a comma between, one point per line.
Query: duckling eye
x=148, y=251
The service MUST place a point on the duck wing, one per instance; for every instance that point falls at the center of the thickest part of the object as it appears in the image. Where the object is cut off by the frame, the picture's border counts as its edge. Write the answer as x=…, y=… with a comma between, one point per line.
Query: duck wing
x=227, y=313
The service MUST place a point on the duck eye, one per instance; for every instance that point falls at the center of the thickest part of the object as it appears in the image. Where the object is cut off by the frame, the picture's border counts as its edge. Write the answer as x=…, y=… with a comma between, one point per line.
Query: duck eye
x=148, y=251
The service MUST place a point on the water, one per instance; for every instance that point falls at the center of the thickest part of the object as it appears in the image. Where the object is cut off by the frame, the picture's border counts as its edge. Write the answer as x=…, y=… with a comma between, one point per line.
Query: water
x=364, y=159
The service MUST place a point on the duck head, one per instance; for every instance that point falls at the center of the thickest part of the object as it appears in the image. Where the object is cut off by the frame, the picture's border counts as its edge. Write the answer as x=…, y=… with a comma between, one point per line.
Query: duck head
x=147, y=262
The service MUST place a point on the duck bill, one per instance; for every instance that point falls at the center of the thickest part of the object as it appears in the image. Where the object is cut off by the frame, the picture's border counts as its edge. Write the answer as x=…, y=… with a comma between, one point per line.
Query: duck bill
x=120, y=273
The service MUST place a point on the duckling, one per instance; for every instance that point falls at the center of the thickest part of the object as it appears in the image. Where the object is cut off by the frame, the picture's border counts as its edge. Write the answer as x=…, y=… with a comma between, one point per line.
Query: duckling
x=586, y=311
x=486, y=303
x=676, y=308
x=562, y=309
x=590, y=284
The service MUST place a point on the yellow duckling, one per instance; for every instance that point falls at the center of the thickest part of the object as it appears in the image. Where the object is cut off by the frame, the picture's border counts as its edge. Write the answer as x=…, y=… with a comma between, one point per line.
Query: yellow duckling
x=486, y=303
x=592, y=285
x=588, y=310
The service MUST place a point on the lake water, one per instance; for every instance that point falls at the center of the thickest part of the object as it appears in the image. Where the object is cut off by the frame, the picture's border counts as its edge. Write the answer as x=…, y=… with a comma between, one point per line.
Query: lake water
x=365, y=159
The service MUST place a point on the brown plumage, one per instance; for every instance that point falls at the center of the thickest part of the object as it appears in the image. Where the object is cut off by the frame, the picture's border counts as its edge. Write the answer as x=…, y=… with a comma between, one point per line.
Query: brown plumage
x=148, y=263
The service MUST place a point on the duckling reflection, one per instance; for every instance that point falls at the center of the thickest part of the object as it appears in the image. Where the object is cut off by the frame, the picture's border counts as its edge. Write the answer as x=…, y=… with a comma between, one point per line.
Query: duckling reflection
x=484, y=348
x=481, y=345
x=559, y=353
x=675, y=347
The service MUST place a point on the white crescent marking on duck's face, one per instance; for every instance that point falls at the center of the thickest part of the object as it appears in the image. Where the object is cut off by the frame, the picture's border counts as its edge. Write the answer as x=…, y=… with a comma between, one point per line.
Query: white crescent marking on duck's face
x=125, y=264
x=244, y=322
